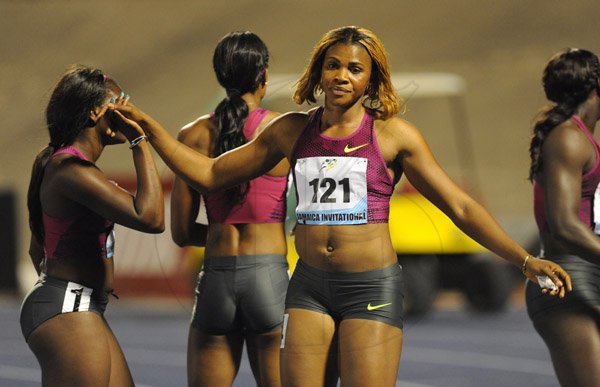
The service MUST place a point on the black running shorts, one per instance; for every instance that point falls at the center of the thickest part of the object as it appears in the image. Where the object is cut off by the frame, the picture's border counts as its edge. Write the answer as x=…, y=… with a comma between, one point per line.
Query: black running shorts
x=50, y=297
x=372, y=295
x=585, y=277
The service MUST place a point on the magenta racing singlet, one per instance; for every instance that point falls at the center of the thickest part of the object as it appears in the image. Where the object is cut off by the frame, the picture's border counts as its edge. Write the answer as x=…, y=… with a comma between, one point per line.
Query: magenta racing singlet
x=83, y=235
x=589, y=210
x=265, y=198
x=340, y=181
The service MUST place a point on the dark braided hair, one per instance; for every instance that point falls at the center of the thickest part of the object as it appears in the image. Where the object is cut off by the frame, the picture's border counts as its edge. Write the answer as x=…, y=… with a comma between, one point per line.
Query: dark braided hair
x=79, y=90
x=240, y=62
x=569, y=78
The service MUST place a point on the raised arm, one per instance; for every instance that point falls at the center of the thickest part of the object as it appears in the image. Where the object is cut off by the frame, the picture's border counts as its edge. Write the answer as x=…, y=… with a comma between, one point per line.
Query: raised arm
x=431, y=181
x=229, y=169
x=185, y=201
x=84, y=183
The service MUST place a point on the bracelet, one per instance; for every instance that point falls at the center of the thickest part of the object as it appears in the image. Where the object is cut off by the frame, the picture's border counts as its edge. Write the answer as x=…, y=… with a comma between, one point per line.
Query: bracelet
x=524, y=267
x=135, y=142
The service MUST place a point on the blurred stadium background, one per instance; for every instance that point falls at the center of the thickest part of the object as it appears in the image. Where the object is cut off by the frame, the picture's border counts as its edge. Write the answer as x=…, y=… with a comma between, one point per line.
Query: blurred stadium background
x=160, y=52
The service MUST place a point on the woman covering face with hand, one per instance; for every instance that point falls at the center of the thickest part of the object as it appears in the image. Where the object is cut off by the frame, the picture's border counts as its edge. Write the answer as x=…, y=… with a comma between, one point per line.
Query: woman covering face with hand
x=72, y=210
x=344, y=302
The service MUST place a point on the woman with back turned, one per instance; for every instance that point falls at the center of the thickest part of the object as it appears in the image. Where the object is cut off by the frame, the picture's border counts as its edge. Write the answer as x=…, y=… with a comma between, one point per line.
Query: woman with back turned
x=241, y=287
x=565, y=171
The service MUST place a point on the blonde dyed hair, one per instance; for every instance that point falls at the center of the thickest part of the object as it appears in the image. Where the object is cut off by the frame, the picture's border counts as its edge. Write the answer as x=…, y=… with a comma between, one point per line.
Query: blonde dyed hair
x=380, y=95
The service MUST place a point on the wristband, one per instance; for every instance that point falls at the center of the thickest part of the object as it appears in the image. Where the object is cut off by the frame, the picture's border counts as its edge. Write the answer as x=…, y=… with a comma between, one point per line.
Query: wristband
x=135, y=142
x=524, y=267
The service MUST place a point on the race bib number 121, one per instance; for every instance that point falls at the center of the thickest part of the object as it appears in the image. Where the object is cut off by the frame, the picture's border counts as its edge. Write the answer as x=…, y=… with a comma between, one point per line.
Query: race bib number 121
x=331, y=190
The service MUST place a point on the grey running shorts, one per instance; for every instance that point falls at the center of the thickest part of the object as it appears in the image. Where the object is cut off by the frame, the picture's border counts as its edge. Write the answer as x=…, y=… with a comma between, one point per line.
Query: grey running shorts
x=241, y=293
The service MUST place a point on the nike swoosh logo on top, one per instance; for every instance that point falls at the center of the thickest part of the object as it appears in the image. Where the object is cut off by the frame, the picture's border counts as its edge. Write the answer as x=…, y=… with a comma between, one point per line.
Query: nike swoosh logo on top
x=373, y=307
x=348, y=149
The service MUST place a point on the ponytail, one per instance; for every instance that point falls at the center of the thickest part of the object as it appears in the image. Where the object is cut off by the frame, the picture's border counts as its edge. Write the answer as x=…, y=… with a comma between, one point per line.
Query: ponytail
x=549, y=118
x=240, y=63
x=231, y=114
x=569, y=78
x=34, y=203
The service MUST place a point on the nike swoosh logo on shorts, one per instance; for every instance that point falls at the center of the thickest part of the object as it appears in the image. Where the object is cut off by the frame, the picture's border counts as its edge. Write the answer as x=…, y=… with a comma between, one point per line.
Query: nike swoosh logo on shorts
x=348, y=148
x=373, y=307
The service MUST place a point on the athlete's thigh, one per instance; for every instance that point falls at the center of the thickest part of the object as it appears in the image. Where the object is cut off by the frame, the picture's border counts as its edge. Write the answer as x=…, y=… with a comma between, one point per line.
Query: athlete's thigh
x=308, y=349
x=72, y=350
x=120, y=375
x=213, y=360
x=369, y=353
x=263, y=353
x=573, y=338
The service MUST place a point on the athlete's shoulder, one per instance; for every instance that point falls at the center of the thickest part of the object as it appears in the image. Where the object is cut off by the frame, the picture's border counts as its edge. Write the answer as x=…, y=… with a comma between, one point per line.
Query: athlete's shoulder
x=291, y=120
x=396, y=135
x=70, y=172
x=394, y=125
x=285, y=129
x=567, y=128
x=197, y=127
x=270, y=116
x=197, y=132
x=566, y=140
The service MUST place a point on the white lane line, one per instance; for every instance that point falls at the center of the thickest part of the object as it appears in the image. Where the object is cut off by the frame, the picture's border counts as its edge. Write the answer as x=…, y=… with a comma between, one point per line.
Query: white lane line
x=477, y=360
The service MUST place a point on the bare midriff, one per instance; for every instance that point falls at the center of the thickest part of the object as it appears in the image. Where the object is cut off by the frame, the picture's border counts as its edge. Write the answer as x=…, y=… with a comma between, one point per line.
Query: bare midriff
x=97, y=274
x=246, y=239
x=352, y=248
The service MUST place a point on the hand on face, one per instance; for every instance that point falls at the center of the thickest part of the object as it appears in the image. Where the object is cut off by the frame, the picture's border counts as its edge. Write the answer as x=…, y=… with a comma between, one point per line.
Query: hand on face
x=118, y=122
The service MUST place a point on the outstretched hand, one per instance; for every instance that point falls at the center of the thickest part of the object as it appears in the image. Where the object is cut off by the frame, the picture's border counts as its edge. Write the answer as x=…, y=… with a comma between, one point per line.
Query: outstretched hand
x=541, y=267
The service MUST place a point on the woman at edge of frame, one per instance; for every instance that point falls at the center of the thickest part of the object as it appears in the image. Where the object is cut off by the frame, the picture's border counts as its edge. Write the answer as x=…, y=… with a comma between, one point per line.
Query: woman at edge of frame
x=565, y=172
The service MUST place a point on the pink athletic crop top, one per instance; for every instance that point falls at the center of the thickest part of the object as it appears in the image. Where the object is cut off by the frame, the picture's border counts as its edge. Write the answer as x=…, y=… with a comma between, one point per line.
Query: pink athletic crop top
x=589, y=210
x=265, y=197
x=340, y=181
x=83, y=235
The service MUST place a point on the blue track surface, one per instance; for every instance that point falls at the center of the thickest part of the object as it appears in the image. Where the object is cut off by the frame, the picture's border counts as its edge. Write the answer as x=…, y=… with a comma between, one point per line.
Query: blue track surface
x=449, y=348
